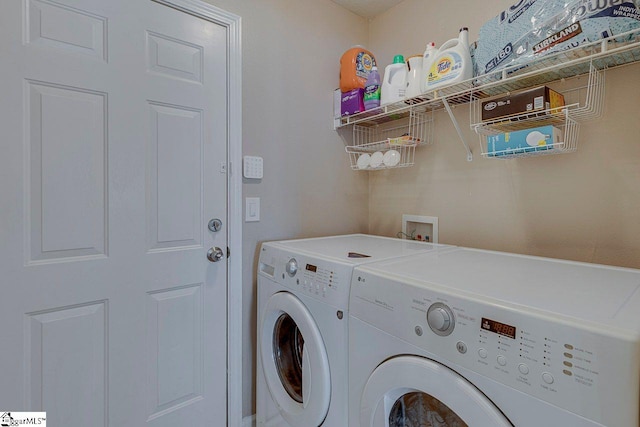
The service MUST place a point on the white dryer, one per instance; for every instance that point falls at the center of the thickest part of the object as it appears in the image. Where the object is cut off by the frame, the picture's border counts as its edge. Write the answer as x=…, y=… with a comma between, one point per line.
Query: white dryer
x=485, y=339
x=303, y=293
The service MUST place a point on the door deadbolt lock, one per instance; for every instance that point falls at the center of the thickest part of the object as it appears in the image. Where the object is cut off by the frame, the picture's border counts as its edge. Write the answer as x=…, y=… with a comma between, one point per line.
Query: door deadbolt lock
x=215, y=225
x=215, y=254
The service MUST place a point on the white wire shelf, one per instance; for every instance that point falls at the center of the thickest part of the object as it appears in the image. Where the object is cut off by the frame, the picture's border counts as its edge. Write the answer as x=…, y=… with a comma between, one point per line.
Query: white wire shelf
x=404, y=155
x=586, y=103
x=570, y=130
x=607, y=53
x=402, y=136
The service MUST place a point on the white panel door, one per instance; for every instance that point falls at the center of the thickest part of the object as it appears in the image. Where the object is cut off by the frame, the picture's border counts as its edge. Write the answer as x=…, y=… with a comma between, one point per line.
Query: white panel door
x=113, y=129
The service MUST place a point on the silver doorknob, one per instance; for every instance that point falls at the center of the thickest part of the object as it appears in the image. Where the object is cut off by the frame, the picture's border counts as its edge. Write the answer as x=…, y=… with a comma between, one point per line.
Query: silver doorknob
x=215, y=254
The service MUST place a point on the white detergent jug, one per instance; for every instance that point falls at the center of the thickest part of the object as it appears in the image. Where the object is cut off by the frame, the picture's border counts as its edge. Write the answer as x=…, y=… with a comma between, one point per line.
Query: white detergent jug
x=452, y=64
x=427, y=60
x=394, y=84
x=414, y=77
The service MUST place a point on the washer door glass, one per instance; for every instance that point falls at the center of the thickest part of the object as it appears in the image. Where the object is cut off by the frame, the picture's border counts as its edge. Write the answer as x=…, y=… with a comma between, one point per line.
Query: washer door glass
x=421, y=409
x=294, y=361
x=288, y=346
x=408, y=391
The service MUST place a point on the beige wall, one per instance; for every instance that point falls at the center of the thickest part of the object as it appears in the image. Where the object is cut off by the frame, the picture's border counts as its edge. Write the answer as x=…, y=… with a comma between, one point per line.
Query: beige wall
x=577, y=206
x=291, y=51
x=580, y=206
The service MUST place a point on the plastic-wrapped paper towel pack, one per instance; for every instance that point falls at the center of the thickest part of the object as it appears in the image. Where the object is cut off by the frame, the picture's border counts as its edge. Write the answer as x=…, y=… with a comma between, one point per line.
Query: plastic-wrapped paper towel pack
x=533, y=28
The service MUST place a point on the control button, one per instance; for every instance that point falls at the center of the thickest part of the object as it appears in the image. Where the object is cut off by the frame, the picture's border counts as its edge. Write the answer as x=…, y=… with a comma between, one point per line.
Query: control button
x=461, y=347
x=568, y=355
x=524, y=369
x=567, y=372
x=569, y=364
x=440, y=319
x=292, y=267
x=568, y=346
x=501, y=360
x=547, y=377
x=483, y=353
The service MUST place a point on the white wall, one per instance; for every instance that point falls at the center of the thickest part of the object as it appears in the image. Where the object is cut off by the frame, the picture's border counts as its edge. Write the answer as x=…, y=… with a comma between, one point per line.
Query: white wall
x=291, y=51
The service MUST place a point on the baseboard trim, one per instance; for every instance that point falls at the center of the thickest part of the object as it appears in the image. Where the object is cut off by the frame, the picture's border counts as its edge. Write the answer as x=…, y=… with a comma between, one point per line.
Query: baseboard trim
x=249, y=421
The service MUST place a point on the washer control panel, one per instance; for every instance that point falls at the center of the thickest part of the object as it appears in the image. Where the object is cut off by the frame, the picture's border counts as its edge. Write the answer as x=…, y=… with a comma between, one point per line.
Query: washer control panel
x=553, y=358
x=321, y=279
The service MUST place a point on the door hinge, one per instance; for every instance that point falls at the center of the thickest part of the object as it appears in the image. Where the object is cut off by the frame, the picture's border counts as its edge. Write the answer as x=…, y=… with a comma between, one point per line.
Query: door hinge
x=228, y=252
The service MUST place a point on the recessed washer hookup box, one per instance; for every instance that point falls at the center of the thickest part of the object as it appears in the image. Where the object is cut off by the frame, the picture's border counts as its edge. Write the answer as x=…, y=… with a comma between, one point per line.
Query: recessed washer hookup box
x=529, y=101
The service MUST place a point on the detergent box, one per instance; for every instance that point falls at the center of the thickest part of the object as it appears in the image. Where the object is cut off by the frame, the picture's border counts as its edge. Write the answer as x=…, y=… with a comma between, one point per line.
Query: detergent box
x=352, y=102
x=525, y=141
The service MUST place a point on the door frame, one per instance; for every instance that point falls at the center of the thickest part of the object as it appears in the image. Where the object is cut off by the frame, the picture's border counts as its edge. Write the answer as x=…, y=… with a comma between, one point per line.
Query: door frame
x=232, y=23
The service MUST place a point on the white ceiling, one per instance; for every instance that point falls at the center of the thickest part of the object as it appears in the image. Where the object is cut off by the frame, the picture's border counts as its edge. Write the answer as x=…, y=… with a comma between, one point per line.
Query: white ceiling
x=367, y=8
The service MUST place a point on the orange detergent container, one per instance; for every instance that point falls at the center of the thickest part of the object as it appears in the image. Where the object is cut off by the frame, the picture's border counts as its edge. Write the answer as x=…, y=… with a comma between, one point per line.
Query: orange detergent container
x=355, y=65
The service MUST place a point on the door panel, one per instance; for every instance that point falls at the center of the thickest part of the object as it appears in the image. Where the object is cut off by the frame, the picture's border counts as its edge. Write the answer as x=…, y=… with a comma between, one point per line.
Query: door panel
x=113, y=140
x=67, y=176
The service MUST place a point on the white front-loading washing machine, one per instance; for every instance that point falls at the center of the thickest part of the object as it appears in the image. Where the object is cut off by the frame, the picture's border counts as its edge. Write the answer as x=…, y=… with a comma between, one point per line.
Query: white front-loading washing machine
x=303, y=293
x=485, y=339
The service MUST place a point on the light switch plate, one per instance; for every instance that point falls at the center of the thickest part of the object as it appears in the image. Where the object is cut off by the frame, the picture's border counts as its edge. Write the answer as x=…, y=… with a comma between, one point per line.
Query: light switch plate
x=252, y=209
x=252, y=167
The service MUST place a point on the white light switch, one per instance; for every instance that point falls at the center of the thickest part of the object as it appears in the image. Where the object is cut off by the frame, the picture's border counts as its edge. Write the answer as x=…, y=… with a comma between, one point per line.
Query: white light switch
x=252, y=167
x=252, y=209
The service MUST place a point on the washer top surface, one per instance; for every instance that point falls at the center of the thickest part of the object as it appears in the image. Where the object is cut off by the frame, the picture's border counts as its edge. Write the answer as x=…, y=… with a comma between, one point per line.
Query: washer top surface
x=356, y=249
x=589, y=292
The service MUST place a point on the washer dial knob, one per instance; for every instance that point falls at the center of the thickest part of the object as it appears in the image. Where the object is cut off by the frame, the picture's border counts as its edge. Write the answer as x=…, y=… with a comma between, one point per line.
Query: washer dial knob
x=292, y=267
x=440, y=319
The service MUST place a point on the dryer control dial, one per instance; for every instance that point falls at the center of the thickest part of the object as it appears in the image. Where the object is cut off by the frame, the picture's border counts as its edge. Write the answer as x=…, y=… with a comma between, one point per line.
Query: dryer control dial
x=440, y=319
x=292, y=267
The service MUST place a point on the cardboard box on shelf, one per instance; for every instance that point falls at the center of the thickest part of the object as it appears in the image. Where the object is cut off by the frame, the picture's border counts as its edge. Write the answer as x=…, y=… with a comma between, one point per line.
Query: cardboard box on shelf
x=532, y=100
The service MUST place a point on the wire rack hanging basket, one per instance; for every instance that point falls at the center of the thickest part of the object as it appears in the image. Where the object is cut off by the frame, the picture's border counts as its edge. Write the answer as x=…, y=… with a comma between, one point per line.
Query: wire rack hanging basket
x=391, y=146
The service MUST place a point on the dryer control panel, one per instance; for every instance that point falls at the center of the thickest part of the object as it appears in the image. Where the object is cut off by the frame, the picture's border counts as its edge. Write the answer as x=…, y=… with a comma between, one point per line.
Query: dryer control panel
x=556, y=359
x=321, y=279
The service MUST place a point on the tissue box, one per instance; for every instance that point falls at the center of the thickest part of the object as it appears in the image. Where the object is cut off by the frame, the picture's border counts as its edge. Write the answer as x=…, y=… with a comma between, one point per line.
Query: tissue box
x=352, y=102
x=540, y=138
x=537, y=99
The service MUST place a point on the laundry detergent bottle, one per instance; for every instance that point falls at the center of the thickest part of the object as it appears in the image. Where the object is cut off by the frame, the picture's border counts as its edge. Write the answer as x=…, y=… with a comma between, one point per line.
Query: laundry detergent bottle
x=372, y=90
x=414, y=77
x=427, y=60
x=355, y=65
x=452, y=64
x=394, y=84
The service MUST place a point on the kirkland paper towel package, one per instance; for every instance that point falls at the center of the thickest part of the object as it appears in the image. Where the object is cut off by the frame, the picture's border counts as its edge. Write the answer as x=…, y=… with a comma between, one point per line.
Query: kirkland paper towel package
x=498, y=36
x=532, y=28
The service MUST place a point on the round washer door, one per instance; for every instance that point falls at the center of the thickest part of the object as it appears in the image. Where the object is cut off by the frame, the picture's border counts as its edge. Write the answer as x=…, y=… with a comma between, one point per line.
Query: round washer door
x=412, y=390
x=294, y=360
